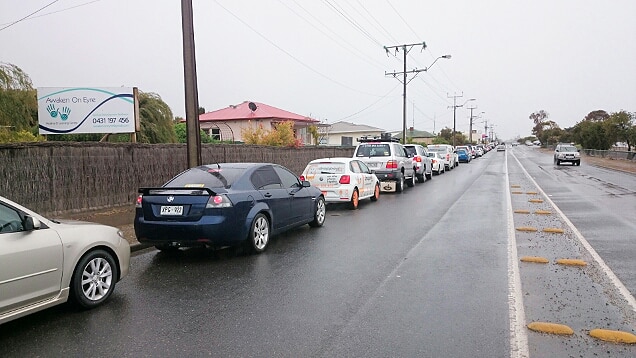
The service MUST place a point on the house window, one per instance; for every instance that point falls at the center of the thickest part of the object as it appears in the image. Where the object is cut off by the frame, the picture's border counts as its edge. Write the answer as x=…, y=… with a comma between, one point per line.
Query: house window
x=346, y=141
x=215, y=133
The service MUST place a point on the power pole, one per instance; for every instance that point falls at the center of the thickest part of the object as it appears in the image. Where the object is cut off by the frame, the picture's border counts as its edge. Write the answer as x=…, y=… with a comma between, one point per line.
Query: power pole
x=191, y=91
x=470, y=130
x=454, y=97
x=405, y=50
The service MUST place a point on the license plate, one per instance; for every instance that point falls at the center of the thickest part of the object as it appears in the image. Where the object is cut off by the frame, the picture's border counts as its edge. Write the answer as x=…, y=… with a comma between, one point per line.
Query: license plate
x=373, y=164
x=171, y=210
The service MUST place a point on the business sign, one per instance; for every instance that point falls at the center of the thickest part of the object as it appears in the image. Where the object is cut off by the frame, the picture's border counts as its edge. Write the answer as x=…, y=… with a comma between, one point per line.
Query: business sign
x=86, y=110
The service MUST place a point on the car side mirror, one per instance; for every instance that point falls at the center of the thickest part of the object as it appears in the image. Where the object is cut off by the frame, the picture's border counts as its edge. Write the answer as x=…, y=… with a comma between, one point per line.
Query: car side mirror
x=31, y=223
x=306, y=184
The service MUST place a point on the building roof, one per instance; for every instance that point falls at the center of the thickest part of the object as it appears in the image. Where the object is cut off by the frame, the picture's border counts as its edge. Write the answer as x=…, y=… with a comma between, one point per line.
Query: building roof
x=347, y=127
x=243, y=111
x=414, y=134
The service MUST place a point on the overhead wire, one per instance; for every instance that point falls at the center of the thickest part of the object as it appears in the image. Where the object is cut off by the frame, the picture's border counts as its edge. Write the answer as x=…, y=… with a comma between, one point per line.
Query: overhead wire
x=290, y=55
x=29, y=15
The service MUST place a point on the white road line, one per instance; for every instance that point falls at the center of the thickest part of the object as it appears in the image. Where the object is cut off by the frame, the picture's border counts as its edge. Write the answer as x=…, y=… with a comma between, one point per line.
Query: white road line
x=516, y=313
x=610, y=274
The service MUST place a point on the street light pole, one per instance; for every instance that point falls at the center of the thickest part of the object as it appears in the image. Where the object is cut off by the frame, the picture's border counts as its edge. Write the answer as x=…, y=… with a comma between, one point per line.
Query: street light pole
x=455, y=105
x=405, y=50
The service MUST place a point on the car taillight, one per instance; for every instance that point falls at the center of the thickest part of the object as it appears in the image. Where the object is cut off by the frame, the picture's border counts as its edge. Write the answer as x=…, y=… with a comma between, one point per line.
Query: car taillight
x=138, y=202
x=345, y=179
x=302, y=178
x=418, y=159
x=391, y=164
x=218, y=201
x=433, y=161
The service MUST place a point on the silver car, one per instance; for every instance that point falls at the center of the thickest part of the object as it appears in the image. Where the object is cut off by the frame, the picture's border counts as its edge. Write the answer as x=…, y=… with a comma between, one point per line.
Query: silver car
x=421, y=161
x=46, y=262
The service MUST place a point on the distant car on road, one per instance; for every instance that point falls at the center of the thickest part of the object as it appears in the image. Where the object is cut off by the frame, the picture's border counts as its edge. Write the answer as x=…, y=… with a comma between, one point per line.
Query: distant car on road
x=420, y=160
x=567, y=153
x=45, y=262
x=447, y=152
x=226, y=204
x=342, y=180
x=388, y=160
x=501, y=147
x=437, y=162
x=464, y=156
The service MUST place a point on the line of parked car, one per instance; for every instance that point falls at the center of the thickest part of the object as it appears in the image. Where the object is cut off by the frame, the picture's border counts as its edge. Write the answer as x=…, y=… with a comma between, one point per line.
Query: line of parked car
x=46, y=262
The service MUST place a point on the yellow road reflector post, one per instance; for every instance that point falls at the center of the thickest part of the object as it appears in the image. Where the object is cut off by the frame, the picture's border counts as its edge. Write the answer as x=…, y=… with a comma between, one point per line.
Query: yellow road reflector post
x=613, y=336
x=571, y=262
x=536, y=200
x=515, y=186
x=543, y=212
x=527, y=228
x=552, y=328
x=535, y=259
x=516, y=192
x=520, y=211
x=553, y=230
x=532, y=193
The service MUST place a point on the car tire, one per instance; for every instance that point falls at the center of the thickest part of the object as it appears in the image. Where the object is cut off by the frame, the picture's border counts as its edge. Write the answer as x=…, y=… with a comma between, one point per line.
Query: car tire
x=258, y=236
x=94, y=278
x=420, y=178
x=399, y=186
x=411, y=182
x=578, y=163
x=355, y=200
x=558, y=162
x=319, y=213
x=376, y=193
x=429, y=176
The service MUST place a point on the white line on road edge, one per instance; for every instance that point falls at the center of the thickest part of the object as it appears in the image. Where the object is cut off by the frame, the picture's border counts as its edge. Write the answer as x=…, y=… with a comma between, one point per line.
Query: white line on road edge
x=518, y=335
x=610, y=274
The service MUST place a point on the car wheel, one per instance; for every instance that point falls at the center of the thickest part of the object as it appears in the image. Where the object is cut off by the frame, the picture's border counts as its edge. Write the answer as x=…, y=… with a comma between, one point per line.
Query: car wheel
x=94, y=278
x=376, y=193
x=411, y=181
x=558, y=162
x=420, y=178
x=258, y=237
x=355, y=200
x=429, y=176
x=399, y=186
x=320, y=213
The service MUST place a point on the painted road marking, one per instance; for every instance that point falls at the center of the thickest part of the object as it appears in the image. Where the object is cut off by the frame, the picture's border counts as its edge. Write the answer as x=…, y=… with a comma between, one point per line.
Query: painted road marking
x=613, y=336
x=571, y=262
x=535, y=259
x=551, y=328
x=527, y=228
x=553, y=230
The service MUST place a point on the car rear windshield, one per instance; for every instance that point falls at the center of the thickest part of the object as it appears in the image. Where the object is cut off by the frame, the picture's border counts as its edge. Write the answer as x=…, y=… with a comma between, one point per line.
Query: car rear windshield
x=206, y=177
x=410, y=150
x=374, y=150
x=326, y=168
x=438, y=150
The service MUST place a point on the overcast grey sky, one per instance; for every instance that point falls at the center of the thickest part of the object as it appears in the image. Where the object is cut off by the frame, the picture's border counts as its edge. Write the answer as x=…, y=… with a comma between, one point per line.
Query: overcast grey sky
x=325, y=58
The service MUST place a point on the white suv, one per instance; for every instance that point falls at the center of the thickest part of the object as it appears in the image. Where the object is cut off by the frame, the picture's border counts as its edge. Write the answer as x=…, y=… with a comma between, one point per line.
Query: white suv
x=388, y=160
x=567, y=153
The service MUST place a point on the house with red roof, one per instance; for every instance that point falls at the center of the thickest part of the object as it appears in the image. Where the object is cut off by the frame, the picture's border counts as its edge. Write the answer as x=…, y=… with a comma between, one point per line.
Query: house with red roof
x=228, y=123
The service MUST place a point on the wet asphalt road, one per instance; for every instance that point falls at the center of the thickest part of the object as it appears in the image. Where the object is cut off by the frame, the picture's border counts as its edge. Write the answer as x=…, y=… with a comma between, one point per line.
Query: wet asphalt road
x=424, y=273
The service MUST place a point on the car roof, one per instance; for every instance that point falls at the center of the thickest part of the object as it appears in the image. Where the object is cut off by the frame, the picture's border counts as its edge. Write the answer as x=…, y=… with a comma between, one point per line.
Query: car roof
x=334, y=159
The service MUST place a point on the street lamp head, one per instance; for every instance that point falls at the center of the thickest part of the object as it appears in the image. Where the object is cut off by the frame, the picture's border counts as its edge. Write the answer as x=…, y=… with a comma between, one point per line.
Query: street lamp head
x=446, y=56
x=472, y=99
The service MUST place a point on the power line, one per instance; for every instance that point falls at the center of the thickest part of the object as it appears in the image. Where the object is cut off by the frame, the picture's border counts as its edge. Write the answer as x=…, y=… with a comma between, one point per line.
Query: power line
x=290, y=55
x=58, y=11
x=29, y=15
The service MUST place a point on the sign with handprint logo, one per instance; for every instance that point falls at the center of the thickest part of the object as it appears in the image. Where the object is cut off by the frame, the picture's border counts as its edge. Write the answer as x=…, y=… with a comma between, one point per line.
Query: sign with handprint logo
x=86, y=110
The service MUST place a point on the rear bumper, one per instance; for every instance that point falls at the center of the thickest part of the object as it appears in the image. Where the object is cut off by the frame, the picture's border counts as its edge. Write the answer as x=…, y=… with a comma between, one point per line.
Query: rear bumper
x=386, y=176
x=208, y=231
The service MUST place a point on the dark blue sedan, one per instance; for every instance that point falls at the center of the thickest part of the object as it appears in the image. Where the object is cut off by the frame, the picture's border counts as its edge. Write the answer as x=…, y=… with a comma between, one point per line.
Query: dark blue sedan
x=226, y=204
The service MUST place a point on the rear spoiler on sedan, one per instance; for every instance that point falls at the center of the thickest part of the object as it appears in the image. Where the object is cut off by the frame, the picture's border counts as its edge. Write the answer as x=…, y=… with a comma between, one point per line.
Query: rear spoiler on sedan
x=176, y=191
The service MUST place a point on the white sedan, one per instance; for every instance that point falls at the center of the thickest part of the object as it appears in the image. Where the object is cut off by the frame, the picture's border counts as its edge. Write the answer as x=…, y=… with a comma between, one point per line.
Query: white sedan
x=47, y=262
x=437, y=162
x=342, y=180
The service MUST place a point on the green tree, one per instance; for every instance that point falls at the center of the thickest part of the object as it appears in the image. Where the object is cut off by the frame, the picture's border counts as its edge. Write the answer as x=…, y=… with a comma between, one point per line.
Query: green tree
x=619, y=126
x=156, y=120
x=597, y=116
x=18, y=100
x=282, y=135
x=591, y=135
x=182, y=135
x=538, y=118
